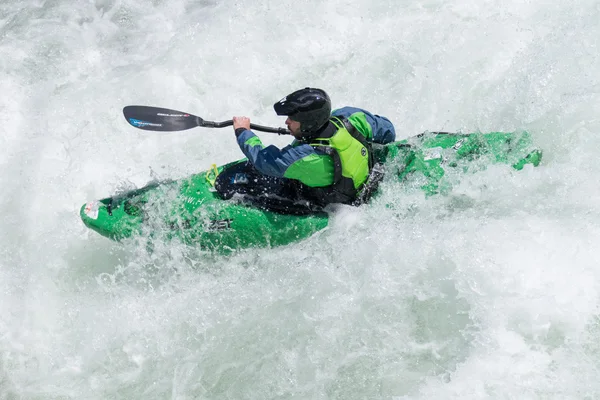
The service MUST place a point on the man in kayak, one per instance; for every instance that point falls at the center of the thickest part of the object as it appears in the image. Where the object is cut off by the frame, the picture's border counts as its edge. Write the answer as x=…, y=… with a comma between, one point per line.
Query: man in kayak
x=330, y=159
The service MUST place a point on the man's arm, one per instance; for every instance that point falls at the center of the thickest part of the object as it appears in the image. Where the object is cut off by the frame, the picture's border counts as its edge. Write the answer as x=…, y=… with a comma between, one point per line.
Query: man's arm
x=269, y=160
x=301, y=162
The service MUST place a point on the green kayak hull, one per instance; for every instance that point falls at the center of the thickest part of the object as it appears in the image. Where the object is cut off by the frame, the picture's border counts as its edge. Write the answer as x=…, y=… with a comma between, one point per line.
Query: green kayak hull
x=192, y=211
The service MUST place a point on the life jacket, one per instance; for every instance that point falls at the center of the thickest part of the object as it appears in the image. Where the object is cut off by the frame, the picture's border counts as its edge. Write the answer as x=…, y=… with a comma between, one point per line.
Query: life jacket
x=352, y=161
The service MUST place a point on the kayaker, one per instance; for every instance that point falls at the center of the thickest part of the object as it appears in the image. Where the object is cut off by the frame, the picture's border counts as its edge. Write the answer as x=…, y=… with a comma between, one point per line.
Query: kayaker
x=331, y=155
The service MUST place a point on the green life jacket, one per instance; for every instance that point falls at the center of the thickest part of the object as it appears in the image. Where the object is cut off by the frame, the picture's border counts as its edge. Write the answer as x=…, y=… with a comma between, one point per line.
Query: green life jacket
x=352, y=161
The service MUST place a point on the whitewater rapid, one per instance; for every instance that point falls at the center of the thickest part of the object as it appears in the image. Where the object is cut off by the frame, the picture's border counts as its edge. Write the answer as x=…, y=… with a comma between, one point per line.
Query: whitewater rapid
x=489, y=292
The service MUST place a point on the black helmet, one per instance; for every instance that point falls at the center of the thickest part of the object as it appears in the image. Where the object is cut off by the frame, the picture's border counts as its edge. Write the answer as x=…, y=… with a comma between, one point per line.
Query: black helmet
x=311, y=107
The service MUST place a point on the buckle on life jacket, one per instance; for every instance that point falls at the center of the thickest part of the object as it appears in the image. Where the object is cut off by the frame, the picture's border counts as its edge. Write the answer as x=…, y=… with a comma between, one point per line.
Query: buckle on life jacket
x=375, y=177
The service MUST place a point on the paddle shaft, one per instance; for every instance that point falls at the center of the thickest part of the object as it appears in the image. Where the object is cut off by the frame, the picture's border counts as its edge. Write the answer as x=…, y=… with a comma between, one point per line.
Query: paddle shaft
x=262, y=128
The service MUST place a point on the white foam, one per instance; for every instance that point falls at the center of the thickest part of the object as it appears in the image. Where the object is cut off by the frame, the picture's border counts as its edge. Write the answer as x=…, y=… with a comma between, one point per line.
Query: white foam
x=490, y=292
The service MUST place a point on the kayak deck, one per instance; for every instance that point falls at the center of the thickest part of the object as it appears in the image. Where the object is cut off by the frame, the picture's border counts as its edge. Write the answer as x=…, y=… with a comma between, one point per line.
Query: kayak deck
x=193, y=211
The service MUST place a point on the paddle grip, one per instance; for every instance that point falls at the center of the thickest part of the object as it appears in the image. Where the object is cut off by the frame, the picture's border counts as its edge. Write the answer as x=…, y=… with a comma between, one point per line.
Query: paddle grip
x=213, y=124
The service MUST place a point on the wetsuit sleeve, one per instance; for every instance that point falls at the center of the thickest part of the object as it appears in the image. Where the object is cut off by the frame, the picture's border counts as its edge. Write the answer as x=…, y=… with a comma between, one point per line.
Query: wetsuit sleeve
x=376, y=128
x=295, y=162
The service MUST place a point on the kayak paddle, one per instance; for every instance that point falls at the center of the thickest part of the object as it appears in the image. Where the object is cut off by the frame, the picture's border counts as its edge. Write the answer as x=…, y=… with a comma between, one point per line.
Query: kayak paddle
x=164, y=119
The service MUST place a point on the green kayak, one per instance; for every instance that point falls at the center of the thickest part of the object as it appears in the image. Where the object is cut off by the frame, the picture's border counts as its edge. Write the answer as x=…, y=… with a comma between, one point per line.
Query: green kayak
x=200, y=211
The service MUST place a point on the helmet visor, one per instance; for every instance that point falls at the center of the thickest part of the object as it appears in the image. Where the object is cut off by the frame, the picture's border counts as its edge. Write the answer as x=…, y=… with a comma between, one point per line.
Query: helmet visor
x=285, y=107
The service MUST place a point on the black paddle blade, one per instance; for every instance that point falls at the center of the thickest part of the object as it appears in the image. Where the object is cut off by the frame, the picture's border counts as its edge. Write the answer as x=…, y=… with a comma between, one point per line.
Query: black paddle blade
x=160, y=119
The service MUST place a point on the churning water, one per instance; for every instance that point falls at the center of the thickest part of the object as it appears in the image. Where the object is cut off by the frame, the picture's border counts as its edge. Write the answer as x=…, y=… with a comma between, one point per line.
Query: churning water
x=490, y=292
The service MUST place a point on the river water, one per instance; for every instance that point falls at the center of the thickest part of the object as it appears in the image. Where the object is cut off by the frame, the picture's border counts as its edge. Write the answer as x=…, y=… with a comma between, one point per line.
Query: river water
x=490, y=292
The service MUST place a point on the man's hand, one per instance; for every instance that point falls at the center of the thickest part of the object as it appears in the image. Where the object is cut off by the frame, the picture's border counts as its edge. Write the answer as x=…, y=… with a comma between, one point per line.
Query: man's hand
x=241, y=122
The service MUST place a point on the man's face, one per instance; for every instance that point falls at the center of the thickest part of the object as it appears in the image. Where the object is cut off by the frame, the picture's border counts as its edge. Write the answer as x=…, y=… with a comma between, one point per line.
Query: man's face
x=294, y=127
